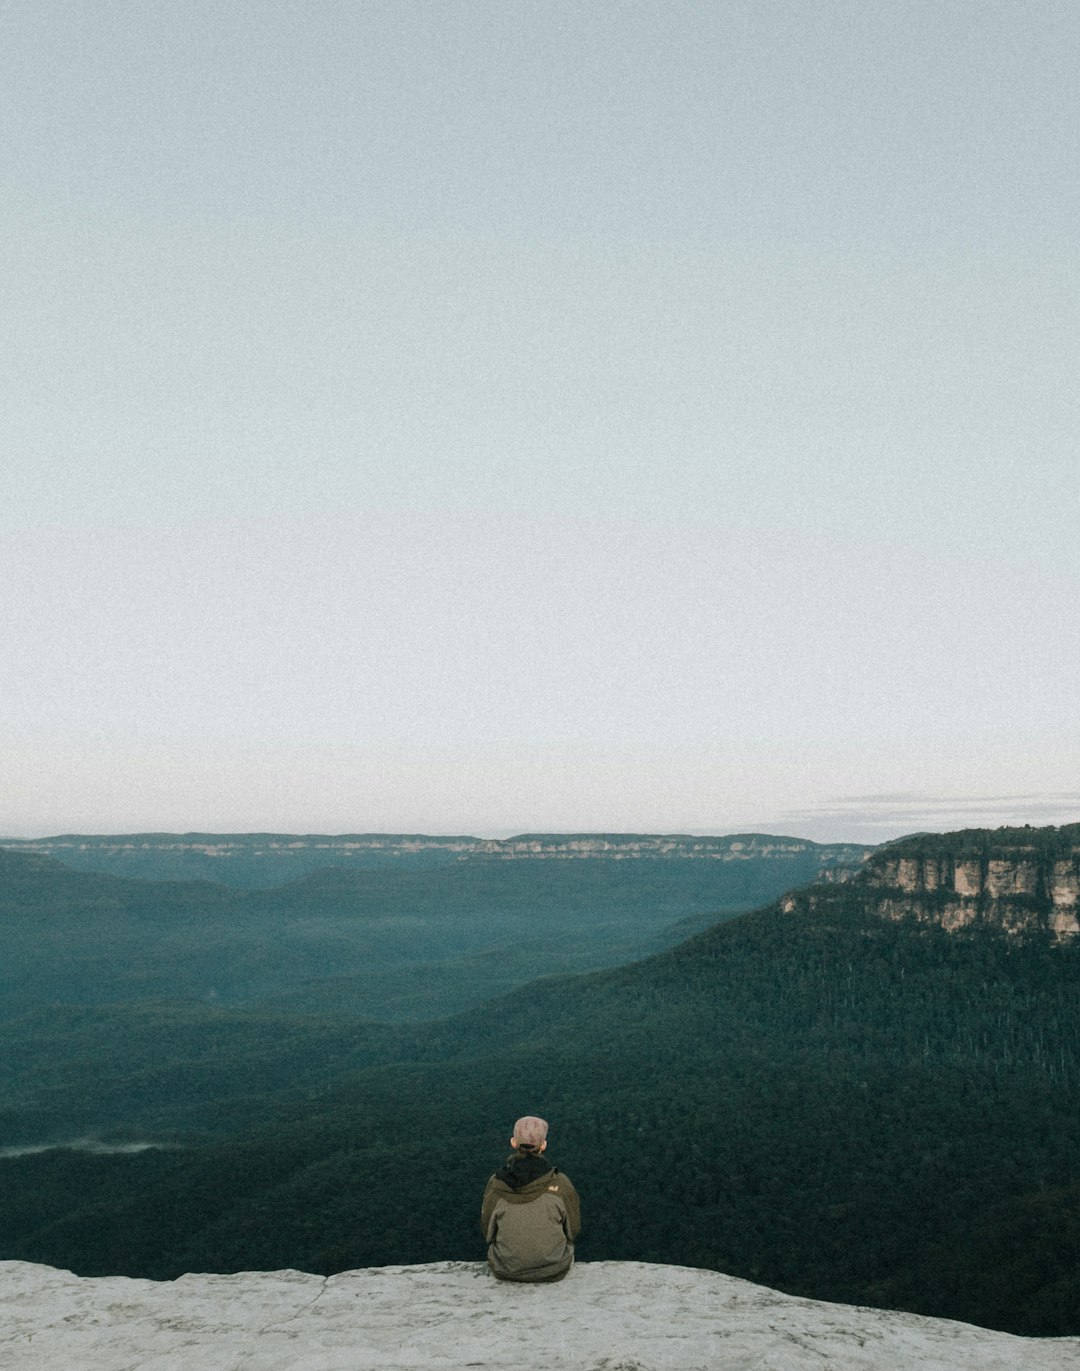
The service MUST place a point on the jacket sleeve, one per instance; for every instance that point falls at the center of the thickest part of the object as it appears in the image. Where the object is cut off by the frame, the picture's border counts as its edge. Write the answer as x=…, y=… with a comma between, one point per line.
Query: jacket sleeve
x=573, y=1204
x=487, y=1208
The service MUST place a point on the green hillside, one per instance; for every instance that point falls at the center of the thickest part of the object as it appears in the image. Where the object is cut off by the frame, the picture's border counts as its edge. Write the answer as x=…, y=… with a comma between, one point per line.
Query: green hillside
x=193, y=1006
x=443, y=937
x=820, y=1100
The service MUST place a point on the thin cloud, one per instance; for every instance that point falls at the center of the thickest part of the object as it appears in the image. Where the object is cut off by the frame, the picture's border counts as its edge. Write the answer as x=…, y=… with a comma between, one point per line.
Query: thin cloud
x=904, y=812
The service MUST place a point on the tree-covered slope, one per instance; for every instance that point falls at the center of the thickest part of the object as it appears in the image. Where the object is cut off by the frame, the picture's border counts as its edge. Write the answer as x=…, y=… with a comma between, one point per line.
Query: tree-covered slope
x=191, y=1005
x=819, y=1100
x=323, y=943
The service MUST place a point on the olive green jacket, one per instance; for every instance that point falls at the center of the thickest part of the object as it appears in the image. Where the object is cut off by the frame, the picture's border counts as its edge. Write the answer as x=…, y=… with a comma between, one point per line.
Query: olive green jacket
x=530, y=1230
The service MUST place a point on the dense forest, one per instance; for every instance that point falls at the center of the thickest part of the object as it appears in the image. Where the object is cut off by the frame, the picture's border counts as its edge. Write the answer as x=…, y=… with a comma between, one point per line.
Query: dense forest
x=1045, y=843
x=410, y=942
x=819, y=1100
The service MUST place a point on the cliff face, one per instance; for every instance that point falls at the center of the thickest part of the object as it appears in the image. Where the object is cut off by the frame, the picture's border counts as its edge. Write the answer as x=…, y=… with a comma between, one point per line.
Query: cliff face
x=738, y=847
x=266, y=859
x=559, y=846
x=1017, y=879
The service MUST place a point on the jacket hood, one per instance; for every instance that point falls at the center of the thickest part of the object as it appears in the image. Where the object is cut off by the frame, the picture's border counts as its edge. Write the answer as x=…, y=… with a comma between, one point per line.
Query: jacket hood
x=524, y=1172
x=521, y=1168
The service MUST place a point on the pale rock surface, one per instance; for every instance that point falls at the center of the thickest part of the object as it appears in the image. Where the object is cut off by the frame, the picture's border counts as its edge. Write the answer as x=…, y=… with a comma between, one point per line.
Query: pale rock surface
x=452, y=1316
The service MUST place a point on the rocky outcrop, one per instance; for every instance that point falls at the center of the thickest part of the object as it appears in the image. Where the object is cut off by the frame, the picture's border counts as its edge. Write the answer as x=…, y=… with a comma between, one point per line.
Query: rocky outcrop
x=739, y=847
x=631, y=1316
x=221, y=847
x=265, y=859
x=1016, y=879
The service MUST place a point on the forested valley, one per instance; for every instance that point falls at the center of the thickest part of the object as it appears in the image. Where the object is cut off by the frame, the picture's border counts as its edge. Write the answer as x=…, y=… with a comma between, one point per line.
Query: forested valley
x=807, y=1095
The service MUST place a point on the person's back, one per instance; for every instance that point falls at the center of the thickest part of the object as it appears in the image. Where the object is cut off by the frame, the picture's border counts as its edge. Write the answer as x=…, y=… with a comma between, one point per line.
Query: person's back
x=530, y=1215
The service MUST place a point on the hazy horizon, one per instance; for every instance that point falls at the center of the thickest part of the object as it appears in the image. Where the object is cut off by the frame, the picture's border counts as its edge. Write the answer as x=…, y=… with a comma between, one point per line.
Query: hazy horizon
x=856, y=819
x=487, y=416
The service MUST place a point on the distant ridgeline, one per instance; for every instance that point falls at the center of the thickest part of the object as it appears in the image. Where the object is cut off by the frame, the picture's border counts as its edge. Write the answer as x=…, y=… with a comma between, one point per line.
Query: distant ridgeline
x=1016, y=879
x=378, y=926
x=255, y=860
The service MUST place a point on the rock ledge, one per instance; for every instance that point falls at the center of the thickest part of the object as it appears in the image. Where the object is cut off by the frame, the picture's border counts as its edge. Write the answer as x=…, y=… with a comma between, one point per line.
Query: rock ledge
x=606, y=1316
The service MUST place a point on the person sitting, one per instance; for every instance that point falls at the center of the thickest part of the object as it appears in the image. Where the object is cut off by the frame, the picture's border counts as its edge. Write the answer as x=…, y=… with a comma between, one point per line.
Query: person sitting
x=531, y=1213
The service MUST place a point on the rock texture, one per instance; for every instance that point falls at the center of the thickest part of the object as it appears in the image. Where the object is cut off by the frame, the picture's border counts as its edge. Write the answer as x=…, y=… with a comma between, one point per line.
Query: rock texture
x=545, y=845
x=274, y=858
x=606, y=1316
x=1020, y=880
x=669, y=846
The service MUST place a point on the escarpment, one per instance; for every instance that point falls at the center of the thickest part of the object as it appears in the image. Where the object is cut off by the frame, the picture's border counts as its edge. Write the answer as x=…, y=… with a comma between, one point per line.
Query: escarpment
x=1017, y=879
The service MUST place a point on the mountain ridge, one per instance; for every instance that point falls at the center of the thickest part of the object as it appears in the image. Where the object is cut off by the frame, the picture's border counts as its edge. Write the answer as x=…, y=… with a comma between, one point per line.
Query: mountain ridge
x=267, y=859
x=1019, y=880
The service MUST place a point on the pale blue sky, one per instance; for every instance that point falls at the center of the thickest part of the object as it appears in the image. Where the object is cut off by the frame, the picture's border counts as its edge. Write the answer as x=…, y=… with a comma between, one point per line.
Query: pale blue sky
x=485, y=417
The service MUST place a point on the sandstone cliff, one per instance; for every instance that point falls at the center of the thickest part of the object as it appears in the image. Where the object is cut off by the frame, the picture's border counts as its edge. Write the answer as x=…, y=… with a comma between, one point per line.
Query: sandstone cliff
x=738, y=847
x=265, y=859
x=1017, y=879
